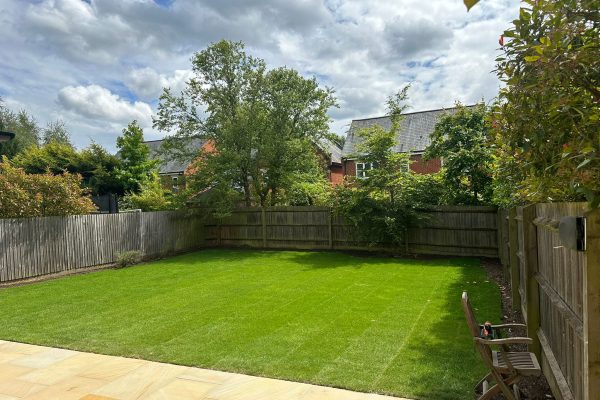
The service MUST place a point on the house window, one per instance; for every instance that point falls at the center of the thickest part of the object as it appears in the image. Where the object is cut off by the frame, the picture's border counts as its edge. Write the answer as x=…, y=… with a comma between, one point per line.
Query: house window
x=362, y=169
x=175, y=184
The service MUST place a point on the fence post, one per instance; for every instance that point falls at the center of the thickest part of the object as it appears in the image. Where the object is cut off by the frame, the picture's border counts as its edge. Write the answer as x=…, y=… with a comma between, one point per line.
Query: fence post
x=219, y=222
x=513, y=243
x=263, y=216
x=530, y=258
x=330, y=222
x=591, y=308
x=501, y=241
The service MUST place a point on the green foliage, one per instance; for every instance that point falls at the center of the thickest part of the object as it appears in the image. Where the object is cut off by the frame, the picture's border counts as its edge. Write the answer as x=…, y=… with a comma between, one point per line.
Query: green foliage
x=136, y=166
x=128, y=258
x=381, y=205
x=23, y=125
x=470, y=3
x=97, y=167
x=462, y=141
x=150, y=197
x=56, y=132
x=55, y=157
x=100, y=170
x=33, y=195
x=262, y=125
x=548, y=117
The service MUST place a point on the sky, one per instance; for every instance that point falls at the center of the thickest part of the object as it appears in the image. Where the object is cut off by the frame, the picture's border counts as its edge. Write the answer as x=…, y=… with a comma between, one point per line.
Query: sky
x=99, y=64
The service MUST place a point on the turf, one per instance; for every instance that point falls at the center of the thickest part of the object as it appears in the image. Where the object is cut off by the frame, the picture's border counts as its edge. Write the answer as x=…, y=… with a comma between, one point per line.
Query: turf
x=383, y=325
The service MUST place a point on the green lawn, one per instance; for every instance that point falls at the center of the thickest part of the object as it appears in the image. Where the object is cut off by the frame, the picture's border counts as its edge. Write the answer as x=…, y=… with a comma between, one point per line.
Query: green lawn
x=371, y=324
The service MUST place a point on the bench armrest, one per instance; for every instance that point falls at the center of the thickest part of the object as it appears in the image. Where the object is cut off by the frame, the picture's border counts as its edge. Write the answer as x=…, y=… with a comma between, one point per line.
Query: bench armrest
x=506, y=326
x=512, y=340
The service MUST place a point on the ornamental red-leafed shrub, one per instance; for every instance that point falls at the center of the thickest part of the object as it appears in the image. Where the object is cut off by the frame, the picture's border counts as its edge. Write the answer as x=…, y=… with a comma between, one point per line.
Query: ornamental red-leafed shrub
x=35, y=195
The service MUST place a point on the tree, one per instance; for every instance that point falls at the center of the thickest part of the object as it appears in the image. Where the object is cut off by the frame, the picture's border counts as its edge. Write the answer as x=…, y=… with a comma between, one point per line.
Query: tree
x=54, y=157
x=100, y=170
x=56, y=131
x=23, y=125
x=384, y=204
x=462, y=141
x=547, y=120
x=261, y=125
x=33, y=195
x=136, y=167
x=151, y=197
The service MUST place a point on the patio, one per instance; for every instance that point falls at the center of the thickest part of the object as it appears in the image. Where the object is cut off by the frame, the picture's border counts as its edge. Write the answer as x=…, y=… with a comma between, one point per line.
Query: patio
x=37, y=372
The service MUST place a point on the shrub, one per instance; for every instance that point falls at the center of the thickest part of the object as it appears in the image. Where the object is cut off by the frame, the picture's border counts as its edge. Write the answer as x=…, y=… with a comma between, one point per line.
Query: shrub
x=128, y=258
x=35, y=195
x=152, y=197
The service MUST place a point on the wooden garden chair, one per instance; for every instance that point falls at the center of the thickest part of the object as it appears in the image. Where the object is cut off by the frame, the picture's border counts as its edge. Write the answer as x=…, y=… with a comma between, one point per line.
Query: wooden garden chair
x=507, y=368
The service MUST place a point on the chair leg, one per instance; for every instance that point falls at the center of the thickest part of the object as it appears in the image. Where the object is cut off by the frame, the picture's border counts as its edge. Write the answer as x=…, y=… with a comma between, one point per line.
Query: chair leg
x=491, y=392
x=484, y=379
x=503, y=384
x=517, y=392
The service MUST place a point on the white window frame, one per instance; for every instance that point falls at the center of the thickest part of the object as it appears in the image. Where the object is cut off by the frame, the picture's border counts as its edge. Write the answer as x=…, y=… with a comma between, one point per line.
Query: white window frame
x=362, y=169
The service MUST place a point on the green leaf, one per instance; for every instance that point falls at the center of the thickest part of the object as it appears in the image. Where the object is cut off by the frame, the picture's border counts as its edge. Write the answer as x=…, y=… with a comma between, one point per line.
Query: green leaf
x=588, y=149
x=532, y=58
x=470, y=3
x=584, y=163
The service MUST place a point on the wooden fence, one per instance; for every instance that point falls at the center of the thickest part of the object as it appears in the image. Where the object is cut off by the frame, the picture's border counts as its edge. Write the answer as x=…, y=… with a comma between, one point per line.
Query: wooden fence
x=456, y=230
x=32, y=247
x=557, y=289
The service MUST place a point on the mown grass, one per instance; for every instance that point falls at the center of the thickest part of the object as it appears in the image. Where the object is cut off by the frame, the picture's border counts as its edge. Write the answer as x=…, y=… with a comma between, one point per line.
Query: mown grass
x=371, y=324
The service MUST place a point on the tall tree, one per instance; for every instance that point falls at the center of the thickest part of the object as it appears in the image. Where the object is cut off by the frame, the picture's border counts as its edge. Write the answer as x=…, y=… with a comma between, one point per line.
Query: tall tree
x=23, y=125
x=100, y=170
x=383, y=204
x=462, y=141
x=136, y=166
x=56, y=131
x=261, y=124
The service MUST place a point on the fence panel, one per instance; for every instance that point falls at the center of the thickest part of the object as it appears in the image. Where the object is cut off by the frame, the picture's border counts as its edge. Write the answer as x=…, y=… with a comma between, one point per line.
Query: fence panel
x=458, y=230
x=561, y=295
x=33, y=247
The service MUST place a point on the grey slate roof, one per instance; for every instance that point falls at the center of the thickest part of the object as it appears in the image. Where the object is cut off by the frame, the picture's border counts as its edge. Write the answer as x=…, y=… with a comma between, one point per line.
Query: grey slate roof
x=168, y=165
x=413, y=135
x=331, y=149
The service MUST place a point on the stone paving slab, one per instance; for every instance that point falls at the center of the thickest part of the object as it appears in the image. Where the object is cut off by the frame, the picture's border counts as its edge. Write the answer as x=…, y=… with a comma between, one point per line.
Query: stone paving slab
x=36, y=372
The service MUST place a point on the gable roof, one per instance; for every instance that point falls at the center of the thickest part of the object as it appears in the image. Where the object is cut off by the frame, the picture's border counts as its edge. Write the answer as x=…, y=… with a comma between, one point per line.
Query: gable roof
x=413, y=135
x=169, y=165
x=331, y=149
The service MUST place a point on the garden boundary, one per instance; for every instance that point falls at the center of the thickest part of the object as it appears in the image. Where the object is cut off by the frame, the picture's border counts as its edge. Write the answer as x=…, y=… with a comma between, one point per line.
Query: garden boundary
x=557, y=290
x=31, y=247
x=448, y=230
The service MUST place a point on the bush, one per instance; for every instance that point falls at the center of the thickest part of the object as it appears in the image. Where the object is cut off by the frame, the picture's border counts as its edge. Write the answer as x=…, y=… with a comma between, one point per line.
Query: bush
x=152, y=197
x=128, y=258
x=35, y=195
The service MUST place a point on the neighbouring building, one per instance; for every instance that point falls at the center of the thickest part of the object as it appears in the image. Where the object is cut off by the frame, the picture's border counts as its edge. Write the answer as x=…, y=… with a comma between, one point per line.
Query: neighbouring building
x=413, y=137
x=331, y=154
x=173, y=171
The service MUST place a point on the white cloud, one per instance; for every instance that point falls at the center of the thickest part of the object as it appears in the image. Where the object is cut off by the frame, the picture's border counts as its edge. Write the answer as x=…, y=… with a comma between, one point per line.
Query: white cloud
x=98, y=103
x=148, y=84
x=107, y=61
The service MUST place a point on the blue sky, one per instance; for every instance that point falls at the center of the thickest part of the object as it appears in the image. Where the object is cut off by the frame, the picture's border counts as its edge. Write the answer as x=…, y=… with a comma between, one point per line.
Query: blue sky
x=97, y=65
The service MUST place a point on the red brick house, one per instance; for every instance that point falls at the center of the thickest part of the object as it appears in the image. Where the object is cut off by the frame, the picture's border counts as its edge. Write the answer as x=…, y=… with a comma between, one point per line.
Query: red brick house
x=331, y=154
x=174, y=171
x=412, y=137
